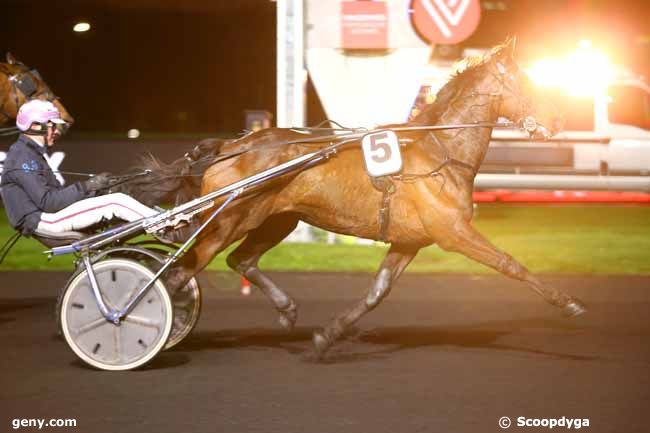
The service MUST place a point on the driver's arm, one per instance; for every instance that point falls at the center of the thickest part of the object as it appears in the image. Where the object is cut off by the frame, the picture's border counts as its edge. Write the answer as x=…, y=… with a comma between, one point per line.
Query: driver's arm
x=48, y=199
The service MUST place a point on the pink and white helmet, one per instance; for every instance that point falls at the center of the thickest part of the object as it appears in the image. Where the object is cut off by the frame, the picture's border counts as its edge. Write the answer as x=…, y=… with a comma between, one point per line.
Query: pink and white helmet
x=37, y=111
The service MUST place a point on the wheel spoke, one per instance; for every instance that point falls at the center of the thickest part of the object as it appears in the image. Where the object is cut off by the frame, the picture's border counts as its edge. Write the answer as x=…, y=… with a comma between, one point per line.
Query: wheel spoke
x=117, y=336
x=142, y=321
x=90, y=326
x=128, y=296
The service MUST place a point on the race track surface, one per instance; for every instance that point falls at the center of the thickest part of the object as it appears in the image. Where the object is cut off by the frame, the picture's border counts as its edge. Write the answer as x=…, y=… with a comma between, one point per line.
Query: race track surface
x=447, y=354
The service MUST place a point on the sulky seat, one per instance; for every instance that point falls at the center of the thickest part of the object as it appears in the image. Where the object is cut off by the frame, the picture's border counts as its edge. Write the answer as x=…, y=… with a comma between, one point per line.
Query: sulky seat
x=53, y=239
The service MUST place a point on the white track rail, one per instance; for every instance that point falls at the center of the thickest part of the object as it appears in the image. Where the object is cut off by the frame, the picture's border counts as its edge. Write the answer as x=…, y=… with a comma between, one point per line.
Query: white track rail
x=562, y=182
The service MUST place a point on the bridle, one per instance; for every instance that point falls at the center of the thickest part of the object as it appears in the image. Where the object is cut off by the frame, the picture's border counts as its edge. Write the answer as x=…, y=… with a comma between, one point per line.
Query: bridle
x=508, y=81
x=25, y=81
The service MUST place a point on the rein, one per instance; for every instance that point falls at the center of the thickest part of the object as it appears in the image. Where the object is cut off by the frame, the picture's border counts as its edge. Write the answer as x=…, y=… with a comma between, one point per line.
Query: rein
x=11, y=130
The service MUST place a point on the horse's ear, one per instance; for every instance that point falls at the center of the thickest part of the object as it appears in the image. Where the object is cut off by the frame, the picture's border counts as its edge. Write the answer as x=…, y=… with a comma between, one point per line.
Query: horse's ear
x=10, y=58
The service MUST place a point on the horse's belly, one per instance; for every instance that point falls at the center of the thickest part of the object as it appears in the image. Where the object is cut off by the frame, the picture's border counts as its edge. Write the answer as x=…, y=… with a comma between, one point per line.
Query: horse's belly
x=350, y=205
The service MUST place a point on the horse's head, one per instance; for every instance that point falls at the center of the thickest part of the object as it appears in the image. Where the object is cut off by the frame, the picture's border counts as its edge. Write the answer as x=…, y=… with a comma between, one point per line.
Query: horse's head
x=19, y=84
x=521, y=101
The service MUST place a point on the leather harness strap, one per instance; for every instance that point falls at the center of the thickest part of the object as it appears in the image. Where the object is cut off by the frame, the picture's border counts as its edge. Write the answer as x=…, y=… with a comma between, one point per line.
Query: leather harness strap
x=386, y=186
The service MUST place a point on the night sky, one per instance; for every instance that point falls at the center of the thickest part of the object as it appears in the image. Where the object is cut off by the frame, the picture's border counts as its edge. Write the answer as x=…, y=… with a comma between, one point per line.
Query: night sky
x=195, y=65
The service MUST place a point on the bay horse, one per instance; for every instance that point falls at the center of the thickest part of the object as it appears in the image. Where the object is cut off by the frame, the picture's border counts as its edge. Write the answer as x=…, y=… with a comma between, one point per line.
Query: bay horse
x=18, y=84
x=433, y=208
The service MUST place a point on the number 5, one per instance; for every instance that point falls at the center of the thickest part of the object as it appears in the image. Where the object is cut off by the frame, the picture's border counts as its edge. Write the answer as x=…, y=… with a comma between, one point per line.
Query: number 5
x=378, y=143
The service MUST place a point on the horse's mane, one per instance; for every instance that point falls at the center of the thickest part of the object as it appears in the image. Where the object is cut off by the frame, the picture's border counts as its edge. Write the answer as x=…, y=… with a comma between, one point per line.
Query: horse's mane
x=467, y=72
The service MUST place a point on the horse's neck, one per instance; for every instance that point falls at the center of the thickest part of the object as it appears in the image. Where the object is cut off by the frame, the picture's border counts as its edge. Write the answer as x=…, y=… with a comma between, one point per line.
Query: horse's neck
x=4, y=102
x=468, y=145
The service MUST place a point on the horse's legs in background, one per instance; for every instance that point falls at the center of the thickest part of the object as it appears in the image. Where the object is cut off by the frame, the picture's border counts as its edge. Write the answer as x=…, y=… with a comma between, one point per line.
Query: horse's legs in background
x=394, y=263
x=208, y=244
x=245, y=257
x=466, y=240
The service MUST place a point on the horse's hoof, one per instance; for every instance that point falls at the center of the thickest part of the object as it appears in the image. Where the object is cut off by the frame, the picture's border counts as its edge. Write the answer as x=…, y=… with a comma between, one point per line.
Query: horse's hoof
x=574, y=307
x=288, y=317
x=321, y=344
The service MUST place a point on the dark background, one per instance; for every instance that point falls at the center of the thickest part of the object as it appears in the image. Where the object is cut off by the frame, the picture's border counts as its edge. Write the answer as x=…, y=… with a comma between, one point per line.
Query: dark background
x=194, y=66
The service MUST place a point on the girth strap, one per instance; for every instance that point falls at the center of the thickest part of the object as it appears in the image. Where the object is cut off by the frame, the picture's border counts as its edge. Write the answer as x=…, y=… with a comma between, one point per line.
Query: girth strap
x=386, y=186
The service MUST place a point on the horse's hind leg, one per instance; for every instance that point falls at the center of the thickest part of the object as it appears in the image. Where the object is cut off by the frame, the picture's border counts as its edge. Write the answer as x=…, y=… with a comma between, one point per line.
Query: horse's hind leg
x=394, y=263
x=210, y=243
x=244, y=259
x=466, y=240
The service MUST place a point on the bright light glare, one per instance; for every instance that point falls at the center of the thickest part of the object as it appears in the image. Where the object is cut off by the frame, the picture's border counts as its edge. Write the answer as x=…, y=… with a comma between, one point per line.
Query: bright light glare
x=585, y=72
x=81, y=27
x=584, y=43
x=133, y=133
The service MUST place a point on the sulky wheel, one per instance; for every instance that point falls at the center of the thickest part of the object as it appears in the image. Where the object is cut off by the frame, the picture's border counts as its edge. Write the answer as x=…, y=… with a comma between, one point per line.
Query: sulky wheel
x=138, y=337
x=186, y=301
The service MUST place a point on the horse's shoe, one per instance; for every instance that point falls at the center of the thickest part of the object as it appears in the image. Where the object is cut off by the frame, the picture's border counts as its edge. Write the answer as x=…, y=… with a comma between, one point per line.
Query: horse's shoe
x=288, y=316
x=321, y=344
x=574, y=307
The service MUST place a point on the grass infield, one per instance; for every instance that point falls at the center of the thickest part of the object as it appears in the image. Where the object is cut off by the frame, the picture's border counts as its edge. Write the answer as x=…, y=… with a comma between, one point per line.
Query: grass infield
x=574, y=239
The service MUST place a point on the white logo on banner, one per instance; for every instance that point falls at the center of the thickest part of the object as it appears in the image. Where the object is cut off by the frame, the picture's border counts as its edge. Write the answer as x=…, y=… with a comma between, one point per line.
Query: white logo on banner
x=381, y=153
x=446, y=8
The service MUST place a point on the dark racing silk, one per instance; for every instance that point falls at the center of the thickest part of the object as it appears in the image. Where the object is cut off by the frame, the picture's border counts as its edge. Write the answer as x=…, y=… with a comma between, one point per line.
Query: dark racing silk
x=30, y=188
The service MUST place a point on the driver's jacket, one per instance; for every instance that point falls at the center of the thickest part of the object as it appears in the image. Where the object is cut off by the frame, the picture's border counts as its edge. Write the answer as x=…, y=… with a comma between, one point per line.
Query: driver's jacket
x=30, y=188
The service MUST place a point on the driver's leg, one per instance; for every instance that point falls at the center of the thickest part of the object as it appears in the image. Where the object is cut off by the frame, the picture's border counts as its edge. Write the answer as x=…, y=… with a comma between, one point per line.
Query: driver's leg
x=90, y=211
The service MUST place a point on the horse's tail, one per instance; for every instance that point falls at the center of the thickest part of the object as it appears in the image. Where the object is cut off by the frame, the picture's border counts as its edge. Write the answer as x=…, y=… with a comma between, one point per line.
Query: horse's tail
x=176, y=182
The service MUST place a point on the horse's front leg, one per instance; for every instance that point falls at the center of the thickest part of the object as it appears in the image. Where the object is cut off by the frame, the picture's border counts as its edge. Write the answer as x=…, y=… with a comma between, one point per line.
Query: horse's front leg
x=394, y=263
x=464, y=239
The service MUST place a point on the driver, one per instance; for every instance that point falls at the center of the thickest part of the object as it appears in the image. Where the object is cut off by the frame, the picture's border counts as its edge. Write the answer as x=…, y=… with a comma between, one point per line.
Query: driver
x=32, y=196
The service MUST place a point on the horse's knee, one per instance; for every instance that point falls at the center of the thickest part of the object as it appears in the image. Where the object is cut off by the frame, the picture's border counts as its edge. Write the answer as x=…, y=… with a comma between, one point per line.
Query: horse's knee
x=450, y=242
x=380, y=288
x=239, y=264
x=233, y=262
